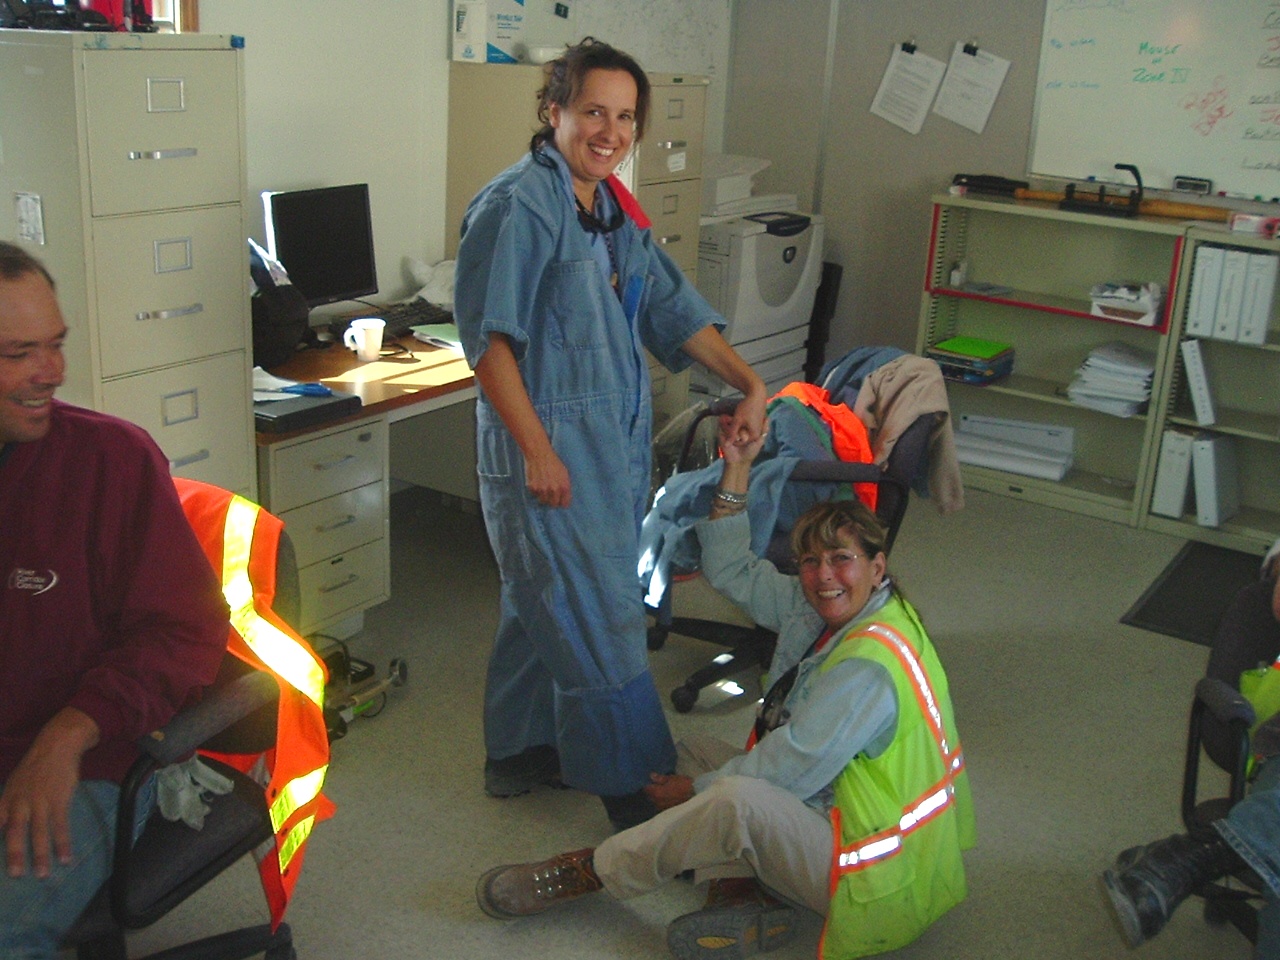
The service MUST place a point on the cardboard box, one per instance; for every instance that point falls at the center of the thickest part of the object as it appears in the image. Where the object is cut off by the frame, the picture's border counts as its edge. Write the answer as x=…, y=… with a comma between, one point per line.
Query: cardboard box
x=488, y=31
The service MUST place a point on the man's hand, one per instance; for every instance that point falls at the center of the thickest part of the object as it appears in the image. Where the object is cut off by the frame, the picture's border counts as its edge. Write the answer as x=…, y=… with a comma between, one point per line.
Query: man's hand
x=37, y=796
x=668, y=790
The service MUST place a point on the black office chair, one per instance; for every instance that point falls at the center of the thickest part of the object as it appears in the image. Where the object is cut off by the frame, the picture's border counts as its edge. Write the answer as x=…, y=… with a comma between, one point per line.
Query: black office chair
x=171, y=861
x=752, y=646
x=1221, y=719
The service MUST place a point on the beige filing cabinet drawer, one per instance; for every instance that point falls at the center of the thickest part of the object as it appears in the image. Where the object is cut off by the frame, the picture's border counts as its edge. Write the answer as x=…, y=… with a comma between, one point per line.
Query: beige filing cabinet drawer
x=193, y=412
x=342, y=585
x=672, y=146
x=336, y=524
x=167, y=301
x=673, y=208
x=164, y=129
x=327, y=465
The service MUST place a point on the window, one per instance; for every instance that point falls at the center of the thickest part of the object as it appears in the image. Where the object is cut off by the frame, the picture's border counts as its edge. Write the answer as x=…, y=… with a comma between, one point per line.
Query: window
x=181, y=13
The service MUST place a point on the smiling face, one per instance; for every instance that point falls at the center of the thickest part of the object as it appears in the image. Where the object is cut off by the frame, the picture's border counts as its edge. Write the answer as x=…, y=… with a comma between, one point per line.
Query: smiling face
x=596, y=130
x=31, y=361
x=838, y=581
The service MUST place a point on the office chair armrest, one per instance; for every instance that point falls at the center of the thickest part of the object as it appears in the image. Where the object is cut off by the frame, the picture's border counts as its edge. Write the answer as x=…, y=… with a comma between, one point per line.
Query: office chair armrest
x=838, y=471
x=1227, y=704
x=219, y=709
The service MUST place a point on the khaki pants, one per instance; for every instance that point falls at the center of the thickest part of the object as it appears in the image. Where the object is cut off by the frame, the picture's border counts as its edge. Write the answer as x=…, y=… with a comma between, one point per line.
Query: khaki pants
x=740, y=826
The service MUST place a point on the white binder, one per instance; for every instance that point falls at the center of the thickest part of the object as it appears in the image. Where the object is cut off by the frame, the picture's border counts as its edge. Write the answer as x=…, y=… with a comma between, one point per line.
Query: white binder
x=1198, y=382
x=1226, y=319
x=1173, y=475
x=1259, y=288
x=1206, y=279
x=1217, y=479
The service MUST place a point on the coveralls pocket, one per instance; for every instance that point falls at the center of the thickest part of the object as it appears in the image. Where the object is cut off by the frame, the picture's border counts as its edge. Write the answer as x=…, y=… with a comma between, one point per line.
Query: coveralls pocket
x=502, y=500
x=575, y=305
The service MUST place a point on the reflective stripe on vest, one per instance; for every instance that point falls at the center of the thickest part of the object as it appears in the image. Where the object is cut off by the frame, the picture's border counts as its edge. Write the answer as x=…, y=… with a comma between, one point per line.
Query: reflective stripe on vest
x=281, y=654
x=870, y=850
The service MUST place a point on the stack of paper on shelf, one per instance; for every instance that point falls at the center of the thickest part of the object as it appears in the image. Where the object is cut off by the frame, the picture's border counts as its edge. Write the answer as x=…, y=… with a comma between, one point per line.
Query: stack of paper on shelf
x=1018, y=446
x=1129, y=302
x=1115, y=378
x=972, y=359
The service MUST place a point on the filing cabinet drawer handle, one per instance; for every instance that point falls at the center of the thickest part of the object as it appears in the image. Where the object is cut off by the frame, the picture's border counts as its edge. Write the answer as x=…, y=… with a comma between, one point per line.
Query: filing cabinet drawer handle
x=170, y=314
x=335, y=463
x=351, y=578
x=189, y=459
x=178, y=153
x=673, y=144
x=674, y=238
x=349, y=519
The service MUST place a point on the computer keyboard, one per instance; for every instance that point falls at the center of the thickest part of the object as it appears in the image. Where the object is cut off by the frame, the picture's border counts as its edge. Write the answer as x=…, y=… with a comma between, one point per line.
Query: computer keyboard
x=411, y=313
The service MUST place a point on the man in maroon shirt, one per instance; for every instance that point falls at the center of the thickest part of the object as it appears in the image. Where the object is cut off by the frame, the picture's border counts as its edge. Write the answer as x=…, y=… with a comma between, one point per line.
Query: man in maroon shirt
x=111, y=618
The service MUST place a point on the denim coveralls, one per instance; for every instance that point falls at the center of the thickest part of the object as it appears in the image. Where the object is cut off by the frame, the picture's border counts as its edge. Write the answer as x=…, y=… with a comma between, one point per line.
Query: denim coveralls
x=569, y=664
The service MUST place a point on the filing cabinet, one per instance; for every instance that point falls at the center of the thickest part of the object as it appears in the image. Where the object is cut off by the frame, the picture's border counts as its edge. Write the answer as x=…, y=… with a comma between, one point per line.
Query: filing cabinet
x=124, y=155
x=331, y=488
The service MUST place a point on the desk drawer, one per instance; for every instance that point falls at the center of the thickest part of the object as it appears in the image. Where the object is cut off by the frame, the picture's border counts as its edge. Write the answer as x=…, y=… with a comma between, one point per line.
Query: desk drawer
x=169, y=287
x=343, y=584
x=337, y=524
x=164, y=129
x=198, y=414
x=674, y=209
x=328, y=465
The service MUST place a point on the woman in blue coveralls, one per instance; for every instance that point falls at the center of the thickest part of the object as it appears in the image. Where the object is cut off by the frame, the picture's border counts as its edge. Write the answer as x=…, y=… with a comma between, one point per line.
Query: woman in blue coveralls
x=558, y=294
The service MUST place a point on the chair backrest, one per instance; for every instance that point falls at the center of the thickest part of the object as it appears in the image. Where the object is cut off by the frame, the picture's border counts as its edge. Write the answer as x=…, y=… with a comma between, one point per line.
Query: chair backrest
x=1247, y=636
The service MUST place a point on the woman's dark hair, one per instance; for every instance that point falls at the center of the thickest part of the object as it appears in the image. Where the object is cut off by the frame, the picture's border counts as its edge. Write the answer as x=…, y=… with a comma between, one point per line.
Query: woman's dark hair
x=565, y=75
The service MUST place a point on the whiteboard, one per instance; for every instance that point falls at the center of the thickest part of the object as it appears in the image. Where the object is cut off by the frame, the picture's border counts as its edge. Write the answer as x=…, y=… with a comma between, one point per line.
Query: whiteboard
x=1177, y=87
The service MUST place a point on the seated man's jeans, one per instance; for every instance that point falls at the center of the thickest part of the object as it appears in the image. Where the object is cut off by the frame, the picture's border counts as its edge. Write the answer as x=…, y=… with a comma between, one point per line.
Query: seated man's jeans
x=35, y=913
x=1252, y=828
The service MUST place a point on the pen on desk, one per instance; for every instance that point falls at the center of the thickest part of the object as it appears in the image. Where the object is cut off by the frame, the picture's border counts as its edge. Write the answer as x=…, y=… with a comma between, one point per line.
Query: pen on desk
x=302, y=389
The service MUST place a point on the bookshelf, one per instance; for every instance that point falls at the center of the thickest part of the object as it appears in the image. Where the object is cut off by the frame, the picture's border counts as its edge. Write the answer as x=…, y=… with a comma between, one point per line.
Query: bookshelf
x=1244, y=383
x=1035, y=266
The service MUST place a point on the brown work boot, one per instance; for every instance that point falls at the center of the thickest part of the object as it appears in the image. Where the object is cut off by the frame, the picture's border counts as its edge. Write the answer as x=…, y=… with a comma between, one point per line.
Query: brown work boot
x=522, y=889
x=739, y=919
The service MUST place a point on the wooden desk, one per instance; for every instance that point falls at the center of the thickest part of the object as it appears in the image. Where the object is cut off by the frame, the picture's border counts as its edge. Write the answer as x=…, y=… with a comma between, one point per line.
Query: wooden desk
x=330, y=483
x=422, y=379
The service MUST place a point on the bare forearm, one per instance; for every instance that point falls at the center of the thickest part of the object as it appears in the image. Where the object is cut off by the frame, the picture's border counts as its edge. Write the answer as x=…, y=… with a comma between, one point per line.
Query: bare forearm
x=499, y=377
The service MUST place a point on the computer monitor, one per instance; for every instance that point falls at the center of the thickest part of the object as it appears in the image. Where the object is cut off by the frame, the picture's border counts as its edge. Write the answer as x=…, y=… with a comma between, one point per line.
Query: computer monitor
x=324, y=240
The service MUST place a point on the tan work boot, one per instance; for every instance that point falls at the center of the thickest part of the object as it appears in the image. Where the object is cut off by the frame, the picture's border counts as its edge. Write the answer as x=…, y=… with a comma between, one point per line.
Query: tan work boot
x=522, y=889
x=739, y=919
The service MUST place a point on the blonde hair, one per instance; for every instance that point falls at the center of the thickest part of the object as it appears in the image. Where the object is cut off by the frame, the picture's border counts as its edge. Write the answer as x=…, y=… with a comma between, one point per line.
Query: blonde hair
x=819, y=528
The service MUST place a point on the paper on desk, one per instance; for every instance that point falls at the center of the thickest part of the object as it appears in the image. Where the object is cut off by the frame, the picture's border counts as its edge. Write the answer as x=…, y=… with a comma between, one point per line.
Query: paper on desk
x=973, y=82
x=907, y=88
x=439, y=335
x=267, y=387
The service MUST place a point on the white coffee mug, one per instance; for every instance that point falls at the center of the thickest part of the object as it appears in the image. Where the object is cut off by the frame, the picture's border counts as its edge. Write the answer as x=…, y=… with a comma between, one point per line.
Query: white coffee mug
x=364, y=336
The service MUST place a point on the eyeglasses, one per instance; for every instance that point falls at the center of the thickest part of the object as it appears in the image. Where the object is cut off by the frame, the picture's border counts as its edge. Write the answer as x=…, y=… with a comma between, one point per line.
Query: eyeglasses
x=837, y=559
x=593, y=224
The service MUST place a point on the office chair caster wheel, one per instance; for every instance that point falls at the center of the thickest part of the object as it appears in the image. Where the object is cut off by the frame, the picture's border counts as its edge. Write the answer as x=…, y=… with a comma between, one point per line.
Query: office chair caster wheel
x=398, y=672
x=656, y=637
x=683, y=698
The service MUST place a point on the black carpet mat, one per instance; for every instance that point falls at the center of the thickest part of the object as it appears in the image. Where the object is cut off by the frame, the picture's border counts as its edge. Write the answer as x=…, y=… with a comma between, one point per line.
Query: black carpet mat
x=1187, y=599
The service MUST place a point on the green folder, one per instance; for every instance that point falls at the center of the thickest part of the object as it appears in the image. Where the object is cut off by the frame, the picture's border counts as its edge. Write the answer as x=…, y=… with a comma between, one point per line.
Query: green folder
x=973, y=347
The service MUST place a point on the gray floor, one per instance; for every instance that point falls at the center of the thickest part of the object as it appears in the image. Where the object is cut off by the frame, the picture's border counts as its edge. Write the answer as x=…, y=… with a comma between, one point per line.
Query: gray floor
x=1072, y=726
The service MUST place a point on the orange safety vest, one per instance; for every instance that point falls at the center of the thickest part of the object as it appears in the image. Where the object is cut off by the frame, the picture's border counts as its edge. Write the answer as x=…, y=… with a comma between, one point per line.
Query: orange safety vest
x=849, y=439
x=241, y=541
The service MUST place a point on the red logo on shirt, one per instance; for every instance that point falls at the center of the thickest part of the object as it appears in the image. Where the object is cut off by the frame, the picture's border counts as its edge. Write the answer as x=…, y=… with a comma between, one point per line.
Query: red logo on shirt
x=37, y=582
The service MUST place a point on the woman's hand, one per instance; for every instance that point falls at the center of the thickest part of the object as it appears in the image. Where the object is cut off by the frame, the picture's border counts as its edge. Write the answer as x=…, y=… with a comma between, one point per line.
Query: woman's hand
x=733, y=448
x=547, y=478
x=668, y=790
x=747, y=425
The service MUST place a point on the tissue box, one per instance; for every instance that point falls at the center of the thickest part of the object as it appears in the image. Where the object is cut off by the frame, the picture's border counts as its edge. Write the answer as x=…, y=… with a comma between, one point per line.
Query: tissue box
x=488, y=31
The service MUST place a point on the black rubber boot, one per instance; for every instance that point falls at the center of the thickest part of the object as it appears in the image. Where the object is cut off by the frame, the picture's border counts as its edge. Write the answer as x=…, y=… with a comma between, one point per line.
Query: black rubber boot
x=628, y=810
x=1146, y=884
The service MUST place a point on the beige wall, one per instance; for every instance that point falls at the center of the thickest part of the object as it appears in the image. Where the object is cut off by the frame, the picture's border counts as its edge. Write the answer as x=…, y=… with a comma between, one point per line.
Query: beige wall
x=877, y=177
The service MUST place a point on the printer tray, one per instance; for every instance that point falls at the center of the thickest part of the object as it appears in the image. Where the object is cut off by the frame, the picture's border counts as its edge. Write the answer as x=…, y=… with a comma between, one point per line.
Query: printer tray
x=298, y=413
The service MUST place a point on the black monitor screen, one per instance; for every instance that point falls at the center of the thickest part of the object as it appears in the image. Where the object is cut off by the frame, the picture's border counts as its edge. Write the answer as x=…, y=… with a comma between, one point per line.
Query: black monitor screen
x=324, y=240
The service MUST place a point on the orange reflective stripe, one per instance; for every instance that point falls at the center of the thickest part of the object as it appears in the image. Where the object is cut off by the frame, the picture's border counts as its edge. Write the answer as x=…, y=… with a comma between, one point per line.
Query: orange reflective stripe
x=868, y=851
x=272, y=645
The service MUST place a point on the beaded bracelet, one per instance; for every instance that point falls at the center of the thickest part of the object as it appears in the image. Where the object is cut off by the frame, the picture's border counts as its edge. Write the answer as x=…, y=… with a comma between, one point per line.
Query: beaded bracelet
x=727, y=497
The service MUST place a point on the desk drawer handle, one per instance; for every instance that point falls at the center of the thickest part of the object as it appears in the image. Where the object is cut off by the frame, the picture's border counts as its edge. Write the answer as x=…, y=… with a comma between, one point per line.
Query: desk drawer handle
x=673, y=144
x=189, y=459
x=170, y=314
x=351, y=578
x=674, y=238
x=335, y=463
x=178, y=153
x=350, y=518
